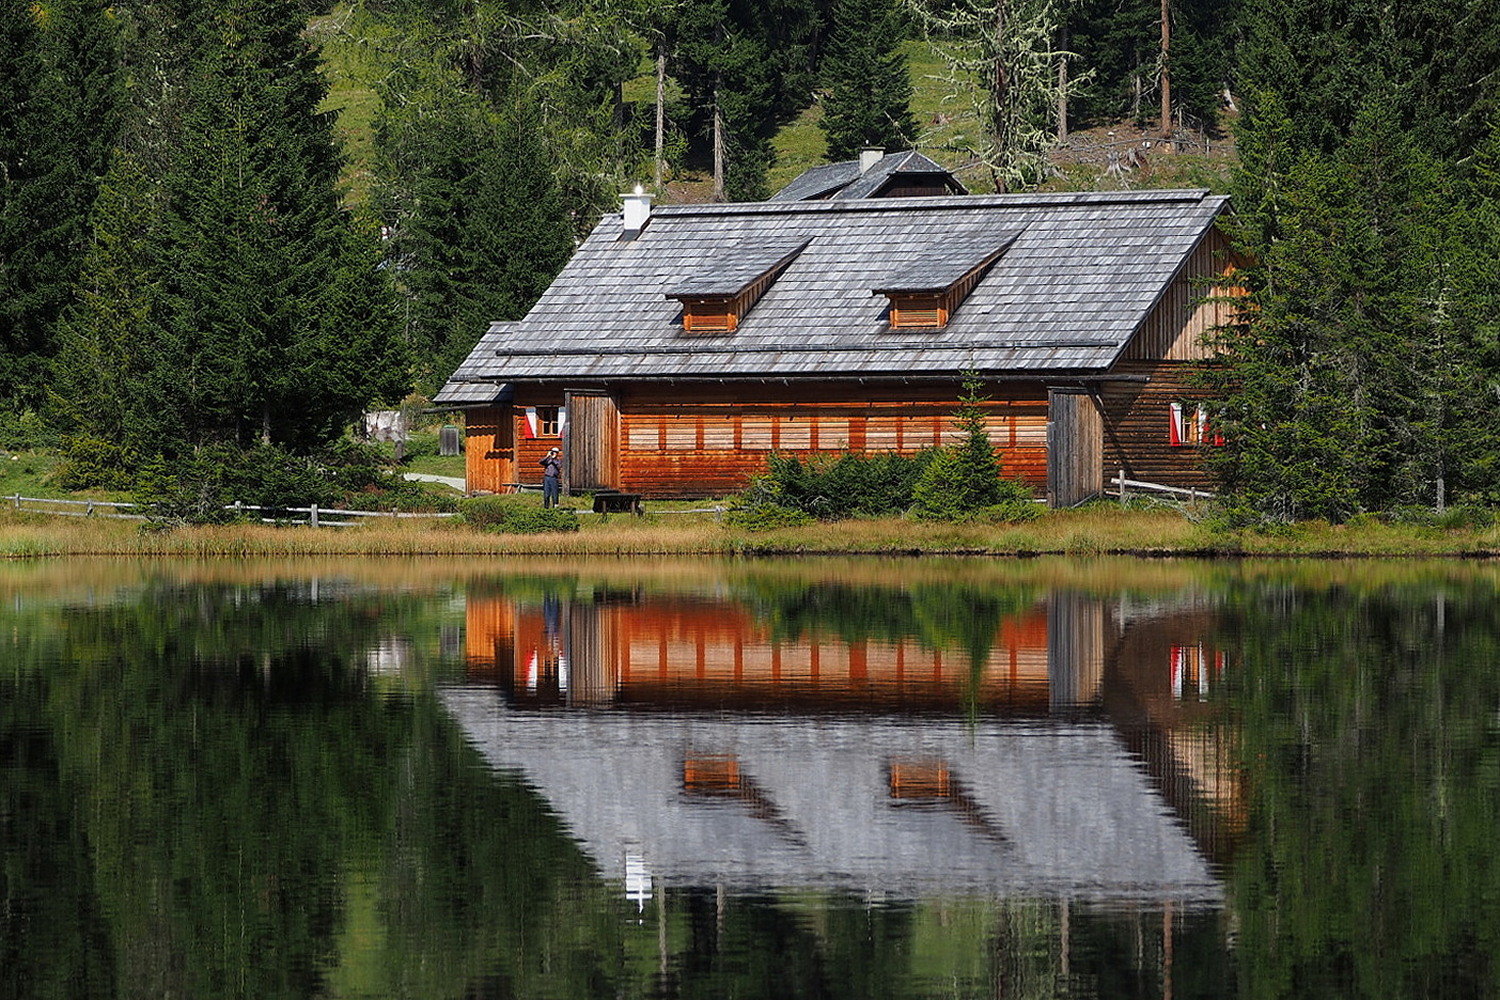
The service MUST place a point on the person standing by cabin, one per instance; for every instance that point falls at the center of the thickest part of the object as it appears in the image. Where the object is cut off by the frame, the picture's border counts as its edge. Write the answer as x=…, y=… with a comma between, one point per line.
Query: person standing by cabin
x=551, y=477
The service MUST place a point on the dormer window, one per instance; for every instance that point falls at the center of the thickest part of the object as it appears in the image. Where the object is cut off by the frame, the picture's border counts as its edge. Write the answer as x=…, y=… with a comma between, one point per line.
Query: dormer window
x=925, y=295
x=717, y=298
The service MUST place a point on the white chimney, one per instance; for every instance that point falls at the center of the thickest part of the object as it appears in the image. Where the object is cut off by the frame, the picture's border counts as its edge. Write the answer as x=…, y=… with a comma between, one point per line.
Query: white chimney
x=869, y=156
x=637, y=212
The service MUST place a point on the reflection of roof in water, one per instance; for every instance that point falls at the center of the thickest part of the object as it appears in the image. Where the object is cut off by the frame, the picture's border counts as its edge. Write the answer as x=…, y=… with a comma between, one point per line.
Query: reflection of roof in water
x=881, y=806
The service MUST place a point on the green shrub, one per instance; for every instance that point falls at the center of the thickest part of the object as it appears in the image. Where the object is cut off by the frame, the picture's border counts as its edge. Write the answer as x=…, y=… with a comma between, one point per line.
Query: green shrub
x=515, y=515
x=765, y=517
x=190, y=491
x=25, y=430
x=841, y=487
x=952, y=489
x=94, y=463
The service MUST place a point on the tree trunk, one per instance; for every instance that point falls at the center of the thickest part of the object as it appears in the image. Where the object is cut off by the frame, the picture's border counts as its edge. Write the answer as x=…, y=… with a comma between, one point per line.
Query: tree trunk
x=1166, y=69
x=1001, y=96
x=718, y=149
x=661, y=111
x=1062, y=83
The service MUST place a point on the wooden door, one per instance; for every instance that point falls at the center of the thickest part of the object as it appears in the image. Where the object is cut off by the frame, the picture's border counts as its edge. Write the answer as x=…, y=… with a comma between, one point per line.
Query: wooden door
x=593, y=440
x=1075, y=447
x=489, y=449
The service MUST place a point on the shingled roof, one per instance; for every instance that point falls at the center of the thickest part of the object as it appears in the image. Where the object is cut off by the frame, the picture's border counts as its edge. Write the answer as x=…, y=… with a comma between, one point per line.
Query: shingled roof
x=1078, y=280
x=848, y=179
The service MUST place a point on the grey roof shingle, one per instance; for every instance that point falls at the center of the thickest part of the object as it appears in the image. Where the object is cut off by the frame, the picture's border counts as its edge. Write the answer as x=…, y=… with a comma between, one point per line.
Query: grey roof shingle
x=1080, y=276
x=730, y=270
x=845, y=180
x=944, y=263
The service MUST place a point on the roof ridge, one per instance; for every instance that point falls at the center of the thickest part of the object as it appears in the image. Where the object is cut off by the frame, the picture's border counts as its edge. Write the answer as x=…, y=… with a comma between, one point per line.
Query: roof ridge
x=964, y=201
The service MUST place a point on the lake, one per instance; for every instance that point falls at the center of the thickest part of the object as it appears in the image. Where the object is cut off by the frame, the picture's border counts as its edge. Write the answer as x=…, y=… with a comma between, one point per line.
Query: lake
x=560, y=778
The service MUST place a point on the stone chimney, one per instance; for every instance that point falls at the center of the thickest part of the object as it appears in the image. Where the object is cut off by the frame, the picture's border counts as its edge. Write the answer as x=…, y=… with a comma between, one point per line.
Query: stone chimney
x=637, y=212
x=869, y=156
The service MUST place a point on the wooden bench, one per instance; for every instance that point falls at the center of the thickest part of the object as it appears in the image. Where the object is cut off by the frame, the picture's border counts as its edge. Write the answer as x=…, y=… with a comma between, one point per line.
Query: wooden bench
x=615, y=502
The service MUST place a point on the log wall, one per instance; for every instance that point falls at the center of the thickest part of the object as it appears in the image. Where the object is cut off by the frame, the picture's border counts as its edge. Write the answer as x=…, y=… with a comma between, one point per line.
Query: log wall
x=1137, y=427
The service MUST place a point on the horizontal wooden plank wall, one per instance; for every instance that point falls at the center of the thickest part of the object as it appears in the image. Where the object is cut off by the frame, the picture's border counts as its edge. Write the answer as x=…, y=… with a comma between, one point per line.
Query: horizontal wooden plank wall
x=712, y=445
x=1137, y=427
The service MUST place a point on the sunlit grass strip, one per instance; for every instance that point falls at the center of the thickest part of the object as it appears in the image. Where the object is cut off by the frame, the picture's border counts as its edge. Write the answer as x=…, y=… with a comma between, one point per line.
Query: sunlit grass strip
x=1089, y=532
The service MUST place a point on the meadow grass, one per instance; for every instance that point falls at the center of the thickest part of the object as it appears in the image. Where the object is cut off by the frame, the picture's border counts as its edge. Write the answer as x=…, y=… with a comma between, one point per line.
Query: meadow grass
x=1089, y=532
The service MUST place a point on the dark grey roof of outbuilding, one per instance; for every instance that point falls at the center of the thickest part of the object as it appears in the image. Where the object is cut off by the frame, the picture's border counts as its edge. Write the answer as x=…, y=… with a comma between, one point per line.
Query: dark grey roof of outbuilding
x=819, y=181
x=1066, y=297
x=845, y=180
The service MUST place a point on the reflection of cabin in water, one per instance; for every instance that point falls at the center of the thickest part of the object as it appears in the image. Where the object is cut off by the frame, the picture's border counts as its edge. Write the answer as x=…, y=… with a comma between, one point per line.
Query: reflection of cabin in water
x=682, y=652
x=1109, y=686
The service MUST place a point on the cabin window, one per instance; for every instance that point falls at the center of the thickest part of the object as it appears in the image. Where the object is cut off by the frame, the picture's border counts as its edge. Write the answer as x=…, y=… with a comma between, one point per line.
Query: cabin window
x=728, y=285
x=1188, y=425
x=710, y=316
x=547, y=422
x=918, y=312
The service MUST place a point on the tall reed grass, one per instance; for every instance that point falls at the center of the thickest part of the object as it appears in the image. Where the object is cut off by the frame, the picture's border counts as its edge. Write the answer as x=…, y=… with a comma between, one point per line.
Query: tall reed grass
x=1093, y=531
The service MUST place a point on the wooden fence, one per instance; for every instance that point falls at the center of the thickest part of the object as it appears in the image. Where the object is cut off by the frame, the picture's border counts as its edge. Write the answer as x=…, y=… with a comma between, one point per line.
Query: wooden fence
x=312, y=515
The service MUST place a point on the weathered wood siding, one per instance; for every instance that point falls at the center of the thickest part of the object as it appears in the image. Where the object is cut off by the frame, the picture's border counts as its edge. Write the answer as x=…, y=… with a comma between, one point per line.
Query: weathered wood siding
x=593, y=440
x=1075, y=436
x=1138, y=424
x=489, y=449
x=1197, y=300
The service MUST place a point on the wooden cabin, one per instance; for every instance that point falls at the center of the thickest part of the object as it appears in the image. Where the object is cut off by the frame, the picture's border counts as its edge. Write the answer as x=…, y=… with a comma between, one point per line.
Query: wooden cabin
x=682, y=345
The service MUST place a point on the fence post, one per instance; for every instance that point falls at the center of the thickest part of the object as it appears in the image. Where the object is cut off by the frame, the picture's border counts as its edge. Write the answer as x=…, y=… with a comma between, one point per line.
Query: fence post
x=239, y=511
x=18, y=501
x=1122, y=487
x=312, y=515
x=91, y=508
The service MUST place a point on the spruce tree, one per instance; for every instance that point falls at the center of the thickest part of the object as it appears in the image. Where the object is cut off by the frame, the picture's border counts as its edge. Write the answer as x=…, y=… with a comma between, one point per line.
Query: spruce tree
x=478, y=225
x=109, y=381
x=59, y=110
x=249, y=258
x=745, y=68
x=869, y=86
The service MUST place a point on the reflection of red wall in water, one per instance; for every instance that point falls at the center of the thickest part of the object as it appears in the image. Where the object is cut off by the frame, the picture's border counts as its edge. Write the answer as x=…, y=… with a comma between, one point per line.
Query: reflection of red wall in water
x=717, y=653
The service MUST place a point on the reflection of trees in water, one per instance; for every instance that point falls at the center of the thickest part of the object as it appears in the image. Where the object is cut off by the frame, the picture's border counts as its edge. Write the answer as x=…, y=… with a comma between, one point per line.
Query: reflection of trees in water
x=1367, y=716
x=204, y=794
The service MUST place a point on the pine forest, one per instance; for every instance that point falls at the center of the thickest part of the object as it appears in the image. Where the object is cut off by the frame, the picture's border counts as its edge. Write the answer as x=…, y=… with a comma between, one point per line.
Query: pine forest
x=229, y=227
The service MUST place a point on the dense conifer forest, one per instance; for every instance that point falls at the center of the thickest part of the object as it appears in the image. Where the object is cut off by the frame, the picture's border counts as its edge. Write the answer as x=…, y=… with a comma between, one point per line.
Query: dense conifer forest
x=231, y=225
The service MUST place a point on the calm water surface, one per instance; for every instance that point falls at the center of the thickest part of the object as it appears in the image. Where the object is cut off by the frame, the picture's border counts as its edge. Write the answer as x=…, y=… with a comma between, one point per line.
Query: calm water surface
x=757, y=779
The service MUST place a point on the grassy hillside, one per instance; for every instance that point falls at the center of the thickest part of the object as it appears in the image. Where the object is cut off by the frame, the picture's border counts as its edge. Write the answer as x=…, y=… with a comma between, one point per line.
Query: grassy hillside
x=356, y=56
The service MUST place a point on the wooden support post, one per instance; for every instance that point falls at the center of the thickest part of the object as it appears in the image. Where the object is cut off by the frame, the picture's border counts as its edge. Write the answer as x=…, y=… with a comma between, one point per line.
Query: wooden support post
x=312, y=515
x=1122, y=487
